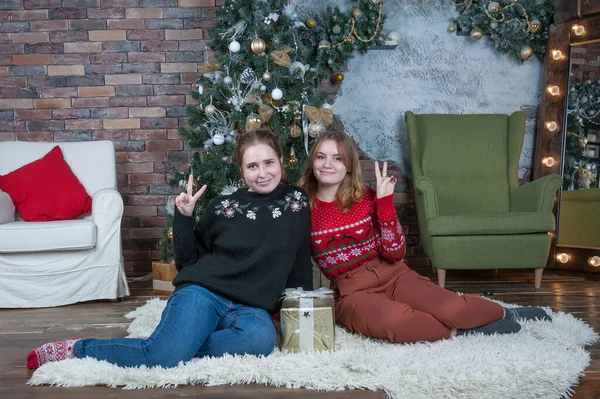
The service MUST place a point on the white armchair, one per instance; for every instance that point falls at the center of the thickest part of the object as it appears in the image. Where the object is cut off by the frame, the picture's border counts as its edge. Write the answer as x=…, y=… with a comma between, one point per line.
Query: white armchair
x=55, y=263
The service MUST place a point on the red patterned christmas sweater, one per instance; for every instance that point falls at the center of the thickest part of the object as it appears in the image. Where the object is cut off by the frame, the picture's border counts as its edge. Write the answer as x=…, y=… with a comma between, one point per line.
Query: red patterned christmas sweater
x=343, y=241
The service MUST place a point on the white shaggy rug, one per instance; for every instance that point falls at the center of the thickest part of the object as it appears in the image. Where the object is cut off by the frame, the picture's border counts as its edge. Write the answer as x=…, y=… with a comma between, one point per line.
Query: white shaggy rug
x=544, y=360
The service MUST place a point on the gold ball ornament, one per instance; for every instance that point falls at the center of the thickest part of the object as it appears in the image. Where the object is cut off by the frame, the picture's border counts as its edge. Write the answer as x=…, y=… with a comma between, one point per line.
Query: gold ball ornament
x=337, y=77
x=210, y=109
x=526, y=52
x=476, y=34
x=315, y=129
x=451, y=28
x=324, y=45
x=267, y=76
x=535, y=26
x=311, y=23
x=356, y=13
x=514, y=1
x=494, y=6
x=170, y=233
x=253, y=122
x=258, y=46
x=295, y=131
x=350, y=40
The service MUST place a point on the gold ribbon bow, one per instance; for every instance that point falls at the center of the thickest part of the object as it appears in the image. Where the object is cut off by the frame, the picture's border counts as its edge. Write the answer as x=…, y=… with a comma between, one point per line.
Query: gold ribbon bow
x=265, y=112
x=319, y=115
x=209, y=68
x=281, y=57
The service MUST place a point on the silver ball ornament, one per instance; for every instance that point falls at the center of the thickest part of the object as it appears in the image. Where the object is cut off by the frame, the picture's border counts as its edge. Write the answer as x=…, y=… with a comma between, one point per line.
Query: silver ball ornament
x=315, y=129
x=210, y=109
x=234, y=46
x=276, y=94
x=494, y=6
x=218, y=139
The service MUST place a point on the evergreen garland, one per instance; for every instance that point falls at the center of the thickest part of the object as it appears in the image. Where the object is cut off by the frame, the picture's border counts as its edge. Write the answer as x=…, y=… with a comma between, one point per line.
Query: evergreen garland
x=583, y=109
x=236, y=91
x=518, y=27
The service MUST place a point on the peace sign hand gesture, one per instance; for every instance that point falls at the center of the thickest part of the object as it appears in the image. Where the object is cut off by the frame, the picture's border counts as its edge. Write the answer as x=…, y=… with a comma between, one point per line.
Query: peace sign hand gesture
x=186, y=202
x=385, y=182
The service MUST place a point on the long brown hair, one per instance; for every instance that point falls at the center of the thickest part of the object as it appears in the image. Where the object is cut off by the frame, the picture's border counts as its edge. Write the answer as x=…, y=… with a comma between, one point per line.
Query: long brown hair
x=265, y=136
x=351, y=189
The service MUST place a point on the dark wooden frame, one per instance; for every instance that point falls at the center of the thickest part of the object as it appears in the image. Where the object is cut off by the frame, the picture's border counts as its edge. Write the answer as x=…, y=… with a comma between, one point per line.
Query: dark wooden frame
x=553, y=108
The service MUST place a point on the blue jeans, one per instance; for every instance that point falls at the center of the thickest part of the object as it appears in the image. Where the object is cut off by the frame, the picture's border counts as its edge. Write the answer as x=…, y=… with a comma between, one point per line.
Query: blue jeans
x=195, y=323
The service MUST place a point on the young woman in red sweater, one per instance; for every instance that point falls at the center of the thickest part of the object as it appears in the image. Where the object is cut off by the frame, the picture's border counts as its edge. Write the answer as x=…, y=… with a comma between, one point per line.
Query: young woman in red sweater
x=358, y=243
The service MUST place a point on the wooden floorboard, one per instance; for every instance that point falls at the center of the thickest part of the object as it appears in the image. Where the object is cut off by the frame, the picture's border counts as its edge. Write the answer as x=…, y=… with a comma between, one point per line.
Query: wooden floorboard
x=24, y=329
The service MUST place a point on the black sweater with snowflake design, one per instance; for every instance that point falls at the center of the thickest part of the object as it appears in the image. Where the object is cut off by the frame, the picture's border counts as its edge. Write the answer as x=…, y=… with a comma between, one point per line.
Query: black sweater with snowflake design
x=247, y=247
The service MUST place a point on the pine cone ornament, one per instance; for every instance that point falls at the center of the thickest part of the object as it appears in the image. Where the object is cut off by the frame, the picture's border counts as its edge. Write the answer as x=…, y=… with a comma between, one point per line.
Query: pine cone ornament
x=247, y=76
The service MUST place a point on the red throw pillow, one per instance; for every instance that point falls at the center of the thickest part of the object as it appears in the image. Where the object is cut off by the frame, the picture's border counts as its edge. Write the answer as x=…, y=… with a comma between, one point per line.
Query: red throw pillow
x=46, y=189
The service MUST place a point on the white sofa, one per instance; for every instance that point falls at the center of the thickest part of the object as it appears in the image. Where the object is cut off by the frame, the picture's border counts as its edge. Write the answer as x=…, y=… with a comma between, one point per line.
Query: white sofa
x=55, y=263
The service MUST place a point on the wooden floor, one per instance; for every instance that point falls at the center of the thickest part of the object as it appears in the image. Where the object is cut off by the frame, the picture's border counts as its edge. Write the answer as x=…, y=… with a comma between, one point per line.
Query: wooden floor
x=23, y=330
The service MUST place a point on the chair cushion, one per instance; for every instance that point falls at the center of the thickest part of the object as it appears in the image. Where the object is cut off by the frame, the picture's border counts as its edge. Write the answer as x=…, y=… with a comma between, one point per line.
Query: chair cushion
x=491, y=223
x=46, y=189
x=63, y=235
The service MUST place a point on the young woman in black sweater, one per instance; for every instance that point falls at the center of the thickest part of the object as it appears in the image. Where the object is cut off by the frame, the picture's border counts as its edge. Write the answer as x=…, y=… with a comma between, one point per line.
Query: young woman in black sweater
x=234, y=264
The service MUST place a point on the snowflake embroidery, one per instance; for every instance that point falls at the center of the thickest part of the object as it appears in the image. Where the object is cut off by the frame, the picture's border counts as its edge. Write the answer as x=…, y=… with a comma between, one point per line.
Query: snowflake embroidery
x=343, y=257
x=330, y=260
x=355, y=252
x=276, y=213
x=387, y=235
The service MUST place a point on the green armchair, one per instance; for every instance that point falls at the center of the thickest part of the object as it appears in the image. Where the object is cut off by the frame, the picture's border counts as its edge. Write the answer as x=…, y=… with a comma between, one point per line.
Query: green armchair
x=472, y=213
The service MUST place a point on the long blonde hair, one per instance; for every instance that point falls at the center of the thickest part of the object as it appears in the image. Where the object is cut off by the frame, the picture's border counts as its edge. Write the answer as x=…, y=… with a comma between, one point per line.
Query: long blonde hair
x=351, y=189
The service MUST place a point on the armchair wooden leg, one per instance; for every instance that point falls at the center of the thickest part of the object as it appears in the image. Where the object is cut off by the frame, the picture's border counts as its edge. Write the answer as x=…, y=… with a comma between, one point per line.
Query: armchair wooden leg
x=538, y=277
x=433, y=269
x=441, y=274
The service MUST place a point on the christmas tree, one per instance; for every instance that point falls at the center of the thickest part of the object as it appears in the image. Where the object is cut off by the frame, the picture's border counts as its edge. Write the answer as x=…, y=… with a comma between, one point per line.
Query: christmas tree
x=515, y=27
x=583, y=110
x=268, y=65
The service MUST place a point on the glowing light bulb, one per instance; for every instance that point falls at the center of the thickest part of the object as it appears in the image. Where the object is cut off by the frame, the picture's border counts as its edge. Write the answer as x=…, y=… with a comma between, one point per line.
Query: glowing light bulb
x=562, y=257
x=556, y=54
x=552, y=126
x=553, y=90
x=594, y=261
x=548, y=161
x=578, y=29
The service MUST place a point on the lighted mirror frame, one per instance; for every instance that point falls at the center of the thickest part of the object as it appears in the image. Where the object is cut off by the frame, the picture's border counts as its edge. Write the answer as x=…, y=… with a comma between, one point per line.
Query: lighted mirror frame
x=552, y=118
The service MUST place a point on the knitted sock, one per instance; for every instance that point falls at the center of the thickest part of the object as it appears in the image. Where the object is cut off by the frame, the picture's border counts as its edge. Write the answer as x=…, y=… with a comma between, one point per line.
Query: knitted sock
x=51, y=352
x=527, y=313
x=501, y=326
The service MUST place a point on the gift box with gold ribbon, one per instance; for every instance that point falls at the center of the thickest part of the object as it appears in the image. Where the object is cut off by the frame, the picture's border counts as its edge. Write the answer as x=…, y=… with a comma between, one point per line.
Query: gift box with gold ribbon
x=307, y=320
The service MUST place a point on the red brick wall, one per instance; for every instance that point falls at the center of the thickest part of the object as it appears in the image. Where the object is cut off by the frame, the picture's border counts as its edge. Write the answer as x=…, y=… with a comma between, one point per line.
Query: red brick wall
x=120, y=70
x=585, y=62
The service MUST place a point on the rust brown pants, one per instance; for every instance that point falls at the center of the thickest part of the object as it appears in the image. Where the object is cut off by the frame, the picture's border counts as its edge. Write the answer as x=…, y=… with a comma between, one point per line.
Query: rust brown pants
x=390, y=301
